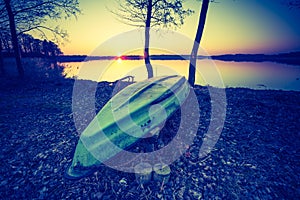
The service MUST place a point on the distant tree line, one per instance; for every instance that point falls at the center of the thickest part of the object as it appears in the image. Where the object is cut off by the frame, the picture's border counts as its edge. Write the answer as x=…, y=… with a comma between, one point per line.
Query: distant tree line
x=18, y=17
x=30, y=47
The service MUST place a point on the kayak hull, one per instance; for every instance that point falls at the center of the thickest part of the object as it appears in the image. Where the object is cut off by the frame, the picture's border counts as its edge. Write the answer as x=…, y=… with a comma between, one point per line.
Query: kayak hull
x=135, y=112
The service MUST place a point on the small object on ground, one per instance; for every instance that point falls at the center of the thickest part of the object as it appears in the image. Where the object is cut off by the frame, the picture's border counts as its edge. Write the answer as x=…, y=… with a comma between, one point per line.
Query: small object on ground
x=123, y=182
x=143, y=172
x=135, y=112
x=161, y=172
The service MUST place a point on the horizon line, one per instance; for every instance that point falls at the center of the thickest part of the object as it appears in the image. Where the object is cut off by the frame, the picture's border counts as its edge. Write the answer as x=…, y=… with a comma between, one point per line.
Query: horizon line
x=141, y=56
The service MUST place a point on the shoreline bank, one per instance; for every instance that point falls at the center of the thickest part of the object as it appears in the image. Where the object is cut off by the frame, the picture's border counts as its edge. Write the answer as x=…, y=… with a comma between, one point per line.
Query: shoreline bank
x=255, y=157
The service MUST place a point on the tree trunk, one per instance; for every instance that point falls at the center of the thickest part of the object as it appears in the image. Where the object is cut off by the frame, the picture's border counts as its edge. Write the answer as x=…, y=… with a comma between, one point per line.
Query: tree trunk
x=14, y=38
x=193, y=58
x=147, y=40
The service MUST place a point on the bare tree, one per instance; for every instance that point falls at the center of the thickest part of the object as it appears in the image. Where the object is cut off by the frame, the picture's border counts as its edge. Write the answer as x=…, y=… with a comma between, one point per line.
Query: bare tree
x=32, y=15
x=193, y=57
x=13, y=32
x=151, y=13
x=201, y=24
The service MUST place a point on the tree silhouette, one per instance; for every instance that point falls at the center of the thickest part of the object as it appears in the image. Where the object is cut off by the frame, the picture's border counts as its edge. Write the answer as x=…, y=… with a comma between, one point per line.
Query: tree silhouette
x=13, y=32
x=201, y=24
x=193, y=57
x=50, y=49
x=31, y=15
x=151, y=13
x=32, y=47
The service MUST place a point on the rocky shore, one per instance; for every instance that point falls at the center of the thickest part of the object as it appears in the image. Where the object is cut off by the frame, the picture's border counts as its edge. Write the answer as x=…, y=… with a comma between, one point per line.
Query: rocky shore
x=256, y=157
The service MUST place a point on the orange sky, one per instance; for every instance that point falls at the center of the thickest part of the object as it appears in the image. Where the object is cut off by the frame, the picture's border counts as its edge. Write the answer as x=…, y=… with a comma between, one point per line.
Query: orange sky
x=240, y=26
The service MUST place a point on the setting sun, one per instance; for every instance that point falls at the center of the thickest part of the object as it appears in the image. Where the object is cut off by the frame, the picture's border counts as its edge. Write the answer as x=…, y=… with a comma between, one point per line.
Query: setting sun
x=119, y=60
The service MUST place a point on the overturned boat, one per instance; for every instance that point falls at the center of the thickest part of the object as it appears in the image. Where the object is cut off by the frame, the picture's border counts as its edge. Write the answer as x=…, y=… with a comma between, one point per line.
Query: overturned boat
x=136, y=111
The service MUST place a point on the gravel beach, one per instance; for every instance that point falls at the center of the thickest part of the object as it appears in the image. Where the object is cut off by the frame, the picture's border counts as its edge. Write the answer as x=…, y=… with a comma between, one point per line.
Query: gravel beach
x=256, y=157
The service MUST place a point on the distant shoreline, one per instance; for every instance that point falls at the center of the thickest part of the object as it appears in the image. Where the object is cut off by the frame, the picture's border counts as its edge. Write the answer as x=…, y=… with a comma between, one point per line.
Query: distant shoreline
x=292, y=58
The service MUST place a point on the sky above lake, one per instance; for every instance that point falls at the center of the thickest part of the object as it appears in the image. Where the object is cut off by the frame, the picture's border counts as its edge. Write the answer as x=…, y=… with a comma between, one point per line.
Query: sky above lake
x=232, y=26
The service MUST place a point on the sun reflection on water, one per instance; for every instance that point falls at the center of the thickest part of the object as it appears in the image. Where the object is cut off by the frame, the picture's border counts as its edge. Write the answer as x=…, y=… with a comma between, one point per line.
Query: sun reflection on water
x=264, y=75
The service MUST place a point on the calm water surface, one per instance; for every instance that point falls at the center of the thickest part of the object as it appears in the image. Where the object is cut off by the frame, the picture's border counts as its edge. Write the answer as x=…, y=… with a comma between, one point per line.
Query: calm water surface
x=259, y=75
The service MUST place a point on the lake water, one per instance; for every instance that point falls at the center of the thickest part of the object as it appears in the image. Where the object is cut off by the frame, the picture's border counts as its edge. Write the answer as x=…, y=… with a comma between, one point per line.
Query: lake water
x=255, y=75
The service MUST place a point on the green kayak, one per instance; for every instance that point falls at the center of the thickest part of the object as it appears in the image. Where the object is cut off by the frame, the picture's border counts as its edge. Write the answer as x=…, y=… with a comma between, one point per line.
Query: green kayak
x=135, y=112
